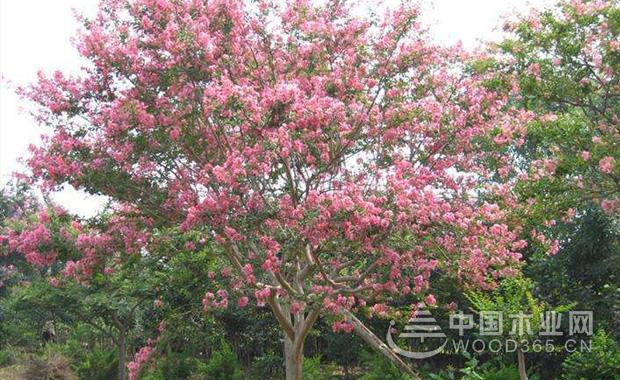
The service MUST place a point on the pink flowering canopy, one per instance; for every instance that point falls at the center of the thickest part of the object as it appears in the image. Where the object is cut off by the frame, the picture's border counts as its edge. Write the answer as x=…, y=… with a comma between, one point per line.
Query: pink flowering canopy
x=56, y=240
x=336, y=160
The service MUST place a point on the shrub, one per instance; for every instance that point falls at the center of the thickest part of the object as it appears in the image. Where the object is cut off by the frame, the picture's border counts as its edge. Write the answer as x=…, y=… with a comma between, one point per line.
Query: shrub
x=98, y=365
x=52, y=366
x=6, y=358
x=506, y=373
x=603, y=360
x=223, y=365
x=14, y=372
x=270, y=364
x=378, y=367
x=313, y=370
x=173, y=365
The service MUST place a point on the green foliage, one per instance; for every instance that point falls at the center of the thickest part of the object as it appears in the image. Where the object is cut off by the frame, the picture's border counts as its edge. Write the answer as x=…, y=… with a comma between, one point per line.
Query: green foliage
x=579, y=93
x=585, y=271
x=475, y=369
x=7, y=357
x=314, y=370
x=342, y=349
x=505, y=373
x=603, y=360
x=173, y=365
x=513, y=296
x=98, y=364
x=471, y=369
x=378, y=367
x=222, y=365
x=268, y=365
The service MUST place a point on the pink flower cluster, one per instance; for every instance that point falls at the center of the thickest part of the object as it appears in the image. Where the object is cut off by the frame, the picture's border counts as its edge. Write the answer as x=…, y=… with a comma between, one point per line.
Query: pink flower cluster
x=607, y=165
x=210, y=301
x=141, y=357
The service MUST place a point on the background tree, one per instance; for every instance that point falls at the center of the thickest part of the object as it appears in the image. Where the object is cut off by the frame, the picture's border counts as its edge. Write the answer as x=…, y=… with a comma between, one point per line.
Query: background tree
x=77, y=277
x=564, y=61
x=16, y=199
x=567, y=64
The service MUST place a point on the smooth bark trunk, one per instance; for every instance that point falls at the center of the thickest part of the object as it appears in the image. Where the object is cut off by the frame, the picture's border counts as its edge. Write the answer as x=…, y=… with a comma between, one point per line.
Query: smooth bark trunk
x=293, y=360
x=521, y=362
x=296, y=328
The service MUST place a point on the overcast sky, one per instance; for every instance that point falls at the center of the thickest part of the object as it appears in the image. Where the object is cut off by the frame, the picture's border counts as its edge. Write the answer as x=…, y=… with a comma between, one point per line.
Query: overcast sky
x=35, y=35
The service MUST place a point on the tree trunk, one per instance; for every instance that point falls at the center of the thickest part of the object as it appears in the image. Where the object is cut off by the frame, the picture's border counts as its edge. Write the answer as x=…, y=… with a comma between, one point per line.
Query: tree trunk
x=521, y=361
x=293, y=361
x=122, y=356
x=296, y=327
x=376, y=343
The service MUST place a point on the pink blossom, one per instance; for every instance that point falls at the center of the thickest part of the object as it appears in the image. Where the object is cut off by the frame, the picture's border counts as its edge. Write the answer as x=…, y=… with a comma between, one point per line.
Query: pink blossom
x=295, y=308
x=610, y=206
x=430, y=300
x=342, y=326
x=607, y=165
x=534, y=70
x=243, y=302
x=585, y=155
x=141, y=357
x=262, y=295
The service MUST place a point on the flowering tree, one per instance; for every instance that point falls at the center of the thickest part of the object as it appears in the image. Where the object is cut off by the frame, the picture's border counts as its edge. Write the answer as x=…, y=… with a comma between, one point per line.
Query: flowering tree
x=336, y=160
x=567, y=64
x=15, y=200
x=94, y=282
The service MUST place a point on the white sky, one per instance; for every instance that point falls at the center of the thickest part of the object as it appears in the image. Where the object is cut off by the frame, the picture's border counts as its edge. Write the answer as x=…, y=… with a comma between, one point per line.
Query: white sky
x=35, y=34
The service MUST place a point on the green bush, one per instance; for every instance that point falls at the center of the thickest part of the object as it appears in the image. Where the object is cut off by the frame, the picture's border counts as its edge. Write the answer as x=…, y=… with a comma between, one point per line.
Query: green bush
x=173, y=365
x=378, y=367
x=97, y=365
x=313, y=370
x=603, y=360
x=269, y=365
x=506, y=373
x=90, y=358
x=223, y=365
x=7, y=357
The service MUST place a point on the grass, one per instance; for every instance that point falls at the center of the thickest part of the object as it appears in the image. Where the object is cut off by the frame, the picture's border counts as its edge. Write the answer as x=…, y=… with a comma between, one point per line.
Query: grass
x=13, y=372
